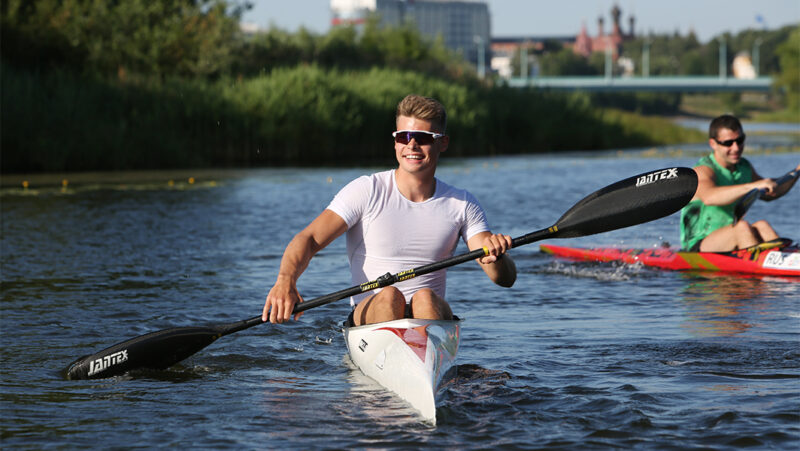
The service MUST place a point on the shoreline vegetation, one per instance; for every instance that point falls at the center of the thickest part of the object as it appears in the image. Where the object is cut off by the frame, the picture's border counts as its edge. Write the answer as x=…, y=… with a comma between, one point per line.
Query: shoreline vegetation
x=299, y=116
x=163, y=85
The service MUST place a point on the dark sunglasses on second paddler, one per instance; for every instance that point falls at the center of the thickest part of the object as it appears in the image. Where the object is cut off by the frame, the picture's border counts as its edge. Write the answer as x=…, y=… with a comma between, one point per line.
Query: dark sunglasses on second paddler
x=422, y=138
x=728, y=143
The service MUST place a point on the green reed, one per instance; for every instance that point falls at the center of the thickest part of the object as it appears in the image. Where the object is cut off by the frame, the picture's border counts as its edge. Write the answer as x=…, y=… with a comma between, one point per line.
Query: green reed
x=304, y=115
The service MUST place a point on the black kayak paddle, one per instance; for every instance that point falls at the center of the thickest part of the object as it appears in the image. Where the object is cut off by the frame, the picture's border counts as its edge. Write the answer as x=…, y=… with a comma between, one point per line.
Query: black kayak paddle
x=632, y=201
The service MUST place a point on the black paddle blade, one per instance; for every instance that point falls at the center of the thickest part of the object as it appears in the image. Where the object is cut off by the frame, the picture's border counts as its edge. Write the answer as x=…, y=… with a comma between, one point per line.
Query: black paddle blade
x=629, y=202
x=157, y=350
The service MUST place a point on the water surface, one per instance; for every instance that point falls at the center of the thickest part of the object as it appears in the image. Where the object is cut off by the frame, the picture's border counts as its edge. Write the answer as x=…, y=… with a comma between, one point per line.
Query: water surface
x=575, y=355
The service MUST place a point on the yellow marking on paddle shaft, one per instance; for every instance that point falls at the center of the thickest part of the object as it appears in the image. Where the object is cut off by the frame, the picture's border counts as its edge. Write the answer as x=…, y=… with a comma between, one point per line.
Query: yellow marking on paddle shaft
x=405, y=275
x=553, y=229
x=401, y=276
x=369, y=286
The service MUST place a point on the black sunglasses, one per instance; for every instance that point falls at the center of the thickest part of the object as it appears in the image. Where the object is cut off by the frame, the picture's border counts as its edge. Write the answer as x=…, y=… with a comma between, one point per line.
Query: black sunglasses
x=422, y=138
x=728, y=143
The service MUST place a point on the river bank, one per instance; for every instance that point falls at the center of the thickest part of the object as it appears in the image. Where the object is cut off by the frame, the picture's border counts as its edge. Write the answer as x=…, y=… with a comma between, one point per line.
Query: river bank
x=765, y=139
x=751, y=107
x=307, y=115
x=60, y=122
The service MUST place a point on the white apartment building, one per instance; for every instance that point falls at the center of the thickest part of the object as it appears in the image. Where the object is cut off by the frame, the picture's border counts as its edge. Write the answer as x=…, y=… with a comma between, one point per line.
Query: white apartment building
x=463, y=24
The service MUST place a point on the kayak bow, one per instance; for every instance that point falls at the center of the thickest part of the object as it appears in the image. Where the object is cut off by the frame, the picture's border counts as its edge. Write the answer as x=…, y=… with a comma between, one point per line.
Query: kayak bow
x=410, y=357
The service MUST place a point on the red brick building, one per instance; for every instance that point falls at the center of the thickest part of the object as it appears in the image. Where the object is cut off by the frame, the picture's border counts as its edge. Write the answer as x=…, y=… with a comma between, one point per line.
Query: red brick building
x=586, y=45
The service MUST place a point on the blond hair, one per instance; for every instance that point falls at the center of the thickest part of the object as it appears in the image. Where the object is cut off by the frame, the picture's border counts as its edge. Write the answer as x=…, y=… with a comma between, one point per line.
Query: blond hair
x=424, y=108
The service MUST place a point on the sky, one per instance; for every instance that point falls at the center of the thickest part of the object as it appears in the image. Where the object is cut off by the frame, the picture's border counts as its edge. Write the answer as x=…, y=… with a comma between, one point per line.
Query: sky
x=707, y=18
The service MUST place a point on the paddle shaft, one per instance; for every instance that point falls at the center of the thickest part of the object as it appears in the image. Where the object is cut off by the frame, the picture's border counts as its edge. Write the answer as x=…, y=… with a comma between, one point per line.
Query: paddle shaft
x=390, y=279
x=754, y=194
x=629, y=202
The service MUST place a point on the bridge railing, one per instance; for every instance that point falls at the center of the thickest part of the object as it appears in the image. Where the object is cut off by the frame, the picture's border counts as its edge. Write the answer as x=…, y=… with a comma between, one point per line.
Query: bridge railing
x=656, y=83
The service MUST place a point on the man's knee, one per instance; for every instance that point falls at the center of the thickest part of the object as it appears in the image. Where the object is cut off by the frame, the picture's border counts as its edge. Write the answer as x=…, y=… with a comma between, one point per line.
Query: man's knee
x=386, y=305
x=745, y=232
x=762, y=225
x=425, y=295
x=427, y=304
x=391, y=299
x=392, y=296
x=742, y=225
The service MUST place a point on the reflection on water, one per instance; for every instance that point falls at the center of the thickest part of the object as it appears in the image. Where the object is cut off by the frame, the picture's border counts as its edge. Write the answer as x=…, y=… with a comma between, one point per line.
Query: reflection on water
x=721, y=305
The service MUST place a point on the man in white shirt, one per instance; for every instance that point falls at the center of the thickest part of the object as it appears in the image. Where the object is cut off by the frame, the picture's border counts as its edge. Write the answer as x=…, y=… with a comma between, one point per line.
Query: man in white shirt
x=397, y=220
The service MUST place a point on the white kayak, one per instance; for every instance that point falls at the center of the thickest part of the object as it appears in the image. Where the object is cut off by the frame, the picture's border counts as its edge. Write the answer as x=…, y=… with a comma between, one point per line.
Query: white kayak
x=411, y=357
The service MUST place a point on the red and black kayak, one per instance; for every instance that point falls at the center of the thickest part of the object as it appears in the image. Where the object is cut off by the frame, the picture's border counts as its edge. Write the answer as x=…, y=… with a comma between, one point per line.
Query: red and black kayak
x=779, y=258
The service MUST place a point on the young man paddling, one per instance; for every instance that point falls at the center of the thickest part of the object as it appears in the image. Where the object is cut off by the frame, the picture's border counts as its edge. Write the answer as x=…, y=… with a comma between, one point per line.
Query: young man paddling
x=397, y=220
x=724, y=177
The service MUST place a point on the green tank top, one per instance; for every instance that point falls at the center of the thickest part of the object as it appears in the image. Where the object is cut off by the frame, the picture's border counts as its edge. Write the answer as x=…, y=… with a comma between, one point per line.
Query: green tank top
x=698, y=220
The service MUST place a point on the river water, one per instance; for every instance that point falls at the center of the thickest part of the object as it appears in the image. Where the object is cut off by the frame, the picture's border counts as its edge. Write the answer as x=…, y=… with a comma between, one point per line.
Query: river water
x=574, y=356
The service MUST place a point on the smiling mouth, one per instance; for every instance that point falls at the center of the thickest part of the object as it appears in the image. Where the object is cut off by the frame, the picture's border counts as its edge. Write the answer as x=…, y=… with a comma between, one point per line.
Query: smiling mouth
x=413, y=157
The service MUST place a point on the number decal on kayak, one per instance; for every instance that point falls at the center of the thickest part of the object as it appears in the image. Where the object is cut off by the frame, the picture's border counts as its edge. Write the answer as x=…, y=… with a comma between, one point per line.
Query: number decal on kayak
x=784, y=260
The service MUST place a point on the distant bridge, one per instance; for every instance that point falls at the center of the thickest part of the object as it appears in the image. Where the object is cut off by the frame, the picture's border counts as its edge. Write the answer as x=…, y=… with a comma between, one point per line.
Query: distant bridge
x=653, y=84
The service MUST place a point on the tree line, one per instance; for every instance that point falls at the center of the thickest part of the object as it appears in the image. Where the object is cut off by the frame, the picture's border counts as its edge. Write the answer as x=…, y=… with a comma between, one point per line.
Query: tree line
x=677, y=55
x=134, y=84
x=197, y=38
x=670, y=54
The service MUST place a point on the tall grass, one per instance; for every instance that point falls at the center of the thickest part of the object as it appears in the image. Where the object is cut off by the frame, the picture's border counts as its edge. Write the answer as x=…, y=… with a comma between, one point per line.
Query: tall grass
x=304, y=115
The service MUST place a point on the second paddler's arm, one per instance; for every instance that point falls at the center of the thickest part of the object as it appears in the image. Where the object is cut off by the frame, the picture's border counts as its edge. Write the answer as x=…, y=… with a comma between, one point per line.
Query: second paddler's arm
x=499, y=266
x=711, y=194
x=284, y=295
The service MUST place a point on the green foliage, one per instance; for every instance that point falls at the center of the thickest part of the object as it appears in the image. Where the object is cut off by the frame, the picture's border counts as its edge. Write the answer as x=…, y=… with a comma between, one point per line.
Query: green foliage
x=141, y=84
x=346, y=48
x=565, y=62
x=639, y=102
x=789, y=78
x=671, y=55
x=157, y=37
x=305, y=115
x=767, y=43
x=685, y=55
x=636, y=129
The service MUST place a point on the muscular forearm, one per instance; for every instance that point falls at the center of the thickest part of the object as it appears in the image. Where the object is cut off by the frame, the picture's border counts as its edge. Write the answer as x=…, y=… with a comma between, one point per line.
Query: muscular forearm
x=297, y=256
x=503, y=272
x=283, y=295
x=495, y=263
x=726, y=195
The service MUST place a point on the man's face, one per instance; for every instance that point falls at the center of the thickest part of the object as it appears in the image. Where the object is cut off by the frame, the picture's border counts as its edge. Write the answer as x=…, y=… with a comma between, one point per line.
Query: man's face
x=728, y=147
x=418, y=156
